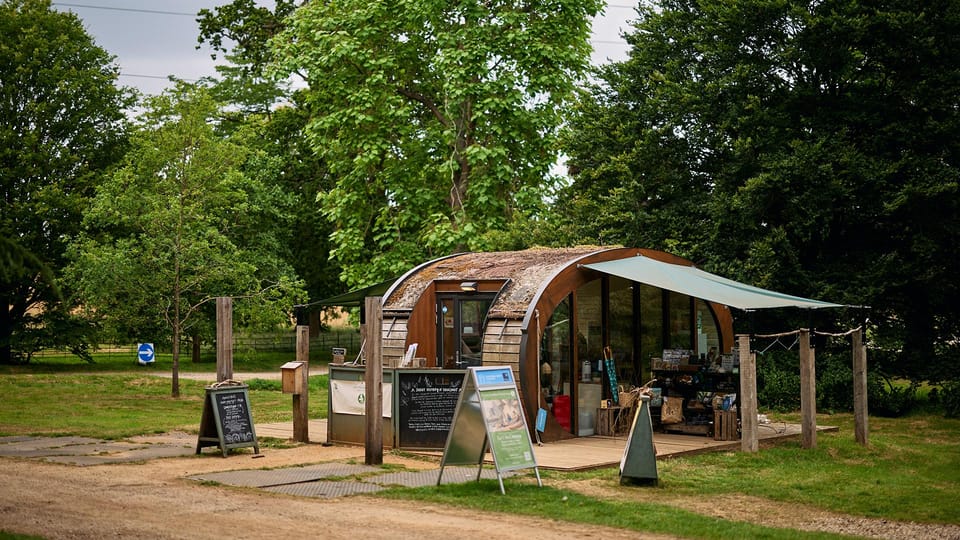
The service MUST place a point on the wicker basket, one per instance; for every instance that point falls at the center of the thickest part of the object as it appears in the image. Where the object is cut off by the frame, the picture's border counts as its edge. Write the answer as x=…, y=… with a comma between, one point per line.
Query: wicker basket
x=628, y=398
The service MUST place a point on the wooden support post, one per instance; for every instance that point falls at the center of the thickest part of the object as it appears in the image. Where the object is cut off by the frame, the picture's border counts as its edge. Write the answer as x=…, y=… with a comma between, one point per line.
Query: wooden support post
x=748, y=396
x=301, y=419
x=860, y=427
x=224, y=338
x=373, y=442
x=808, y=392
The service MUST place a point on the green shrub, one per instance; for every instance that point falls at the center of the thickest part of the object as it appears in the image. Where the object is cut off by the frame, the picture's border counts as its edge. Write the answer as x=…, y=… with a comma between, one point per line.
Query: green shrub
x=834, y=382
x=265, y=384
x=890, y=399
x=778, y=382
x=951, y=399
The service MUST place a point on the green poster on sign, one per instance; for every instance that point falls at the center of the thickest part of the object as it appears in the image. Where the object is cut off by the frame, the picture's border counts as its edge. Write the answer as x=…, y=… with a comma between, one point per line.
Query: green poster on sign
x=507, y=429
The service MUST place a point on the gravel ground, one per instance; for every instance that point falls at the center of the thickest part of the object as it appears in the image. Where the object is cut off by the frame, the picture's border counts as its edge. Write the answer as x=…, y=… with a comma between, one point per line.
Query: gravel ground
x=157, y=500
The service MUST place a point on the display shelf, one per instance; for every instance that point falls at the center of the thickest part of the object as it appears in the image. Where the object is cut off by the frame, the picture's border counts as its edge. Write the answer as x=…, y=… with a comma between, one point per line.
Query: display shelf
x=699, y=389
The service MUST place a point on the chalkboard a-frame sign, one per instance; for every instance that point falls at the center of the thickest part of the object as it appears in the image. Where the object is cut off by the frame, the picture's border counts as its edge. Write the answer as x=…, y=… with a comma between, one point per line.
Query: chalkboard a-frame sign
x=227, y=421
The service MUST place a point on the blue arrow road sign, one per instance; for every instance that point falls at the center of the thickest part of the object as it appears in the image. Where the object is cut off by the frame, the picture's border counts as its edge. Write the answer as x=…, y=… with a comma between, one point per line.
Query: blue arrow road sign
x=145, y=354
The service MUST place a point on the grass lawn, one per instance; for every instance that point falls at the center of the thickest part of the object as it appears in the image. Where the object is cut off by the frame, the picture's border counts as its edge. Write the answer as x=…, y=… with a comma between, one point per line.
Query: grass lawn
x=114, y=406
x=127, y=361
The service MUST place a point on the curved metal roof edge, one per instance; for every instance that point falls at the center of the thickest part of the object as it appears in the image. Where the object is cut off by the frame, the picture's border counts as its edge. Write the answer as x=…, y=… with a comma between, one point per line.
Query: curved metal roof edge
x=543, y=287
x=400, y=280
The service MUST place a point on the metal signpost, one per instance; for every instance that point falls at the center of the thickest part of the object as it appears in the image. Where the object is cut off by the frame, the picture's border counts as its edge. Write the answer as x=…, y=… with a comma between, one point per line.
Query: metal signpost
x=489, y=413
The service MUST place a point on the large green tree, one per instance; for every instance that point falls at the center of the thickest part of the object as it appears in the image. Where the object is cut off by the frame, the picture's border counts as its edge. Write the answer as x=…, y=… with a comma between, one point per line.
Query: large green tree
x=61, y=125
x=437, y=119
x=190, y=216
x=810, y=147
x=271, y=117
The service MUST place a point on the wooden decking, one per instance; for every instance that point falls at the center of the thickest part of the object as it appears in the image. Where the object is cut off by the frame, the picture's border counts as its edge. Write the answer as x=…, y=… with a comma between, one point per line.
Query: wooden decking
x=585, y=453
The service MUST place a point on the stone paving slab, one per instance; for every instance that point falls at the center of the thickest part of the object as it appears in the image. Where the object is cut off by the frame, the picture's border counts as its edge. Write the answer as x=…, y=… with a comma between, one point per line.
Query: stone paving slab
x=88, y=451
x=323, y=489
x=97, y=448
x=137, y=454
x=451, y=475
x=19, y=447
x=262, y=478
x=17, y=439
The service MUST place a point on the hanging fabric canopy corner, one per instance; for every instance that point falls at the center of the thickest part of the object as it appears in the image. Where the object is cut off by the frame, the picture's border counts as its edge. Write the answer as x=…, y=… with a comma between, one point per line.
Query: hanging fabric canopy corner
x=694, y=282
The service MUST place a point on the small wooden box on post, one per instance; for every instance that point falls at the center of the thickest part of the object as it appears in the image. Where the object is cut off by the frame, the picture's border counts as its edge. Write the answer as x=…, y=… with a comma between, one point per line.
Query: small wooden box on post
x=291, y=377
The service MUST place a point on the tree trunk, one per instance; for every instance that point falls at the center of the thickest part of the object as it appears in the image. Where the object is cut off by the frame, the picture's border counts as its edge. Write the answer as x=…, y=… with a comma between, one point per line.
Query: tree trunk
x=175, y=378
x=6, y=331
x=195, y=341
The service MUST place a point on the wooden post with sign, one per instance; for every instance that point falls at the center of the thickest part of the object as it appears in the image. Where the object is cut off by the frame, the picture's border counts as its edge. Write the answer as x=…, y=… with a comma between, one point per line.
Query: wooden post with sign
x=808, y=392
x=373, y=442
x=224, y=338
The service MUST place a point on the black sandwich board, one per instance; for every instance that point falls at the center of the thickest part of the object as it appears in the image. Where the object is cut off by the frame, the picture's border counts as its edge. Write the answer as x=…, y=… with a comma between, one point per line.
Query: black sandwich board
x=489, y=413
x=227, y=421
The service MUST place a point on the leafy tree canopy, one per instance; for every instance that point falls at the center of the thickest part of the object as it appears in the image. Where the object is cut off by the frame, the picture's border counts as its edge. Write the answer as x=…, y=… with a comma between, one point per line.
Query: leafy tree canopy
x=437, y=119
x=61, y=125
x=809, y=147
x=271, y=119
x=189, y=216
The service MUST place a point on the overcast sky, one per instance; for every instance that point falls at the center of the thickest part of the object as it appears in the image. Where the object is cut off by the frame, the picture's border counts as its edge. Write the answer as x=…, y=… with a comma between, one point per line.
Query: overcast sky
x=152, y=40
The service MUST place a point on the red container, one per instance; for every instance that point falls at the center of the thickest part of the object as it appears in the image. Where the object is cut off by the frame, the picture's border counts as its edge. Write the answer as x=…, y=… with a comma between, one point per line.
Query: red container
x=561, y=410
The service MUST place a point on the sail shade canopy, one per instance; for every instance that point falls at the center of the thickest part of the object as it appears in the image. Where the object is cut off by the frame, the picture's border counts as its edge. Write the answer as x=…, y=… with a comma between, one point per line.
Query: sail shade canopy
x=694, y=282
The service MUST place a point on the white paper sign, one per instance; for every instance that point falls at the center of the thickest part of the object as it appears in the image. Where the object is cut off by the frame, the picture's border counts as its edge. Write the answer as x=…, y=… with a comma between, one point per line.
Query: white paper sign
x=349, y=397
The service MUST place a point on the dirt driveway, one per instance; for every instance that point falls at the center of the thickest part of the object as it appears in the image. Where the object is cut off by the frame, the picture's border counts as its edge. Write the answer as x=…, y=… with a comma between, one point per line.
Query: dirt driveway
x=156, y=500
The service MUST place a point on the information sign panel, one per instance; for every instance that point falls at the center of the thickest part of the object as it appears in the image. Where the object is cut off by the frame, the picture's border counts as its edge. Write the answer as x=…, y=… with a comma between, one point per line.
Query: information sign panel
x=427, y=401
x=145, y=354
x=489, y=413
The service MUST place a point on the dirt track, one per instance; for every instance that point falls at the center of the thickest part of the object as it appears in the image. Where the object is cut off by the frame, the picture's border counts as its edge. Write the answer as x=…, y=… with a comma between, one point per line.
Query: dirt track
x=155, y=500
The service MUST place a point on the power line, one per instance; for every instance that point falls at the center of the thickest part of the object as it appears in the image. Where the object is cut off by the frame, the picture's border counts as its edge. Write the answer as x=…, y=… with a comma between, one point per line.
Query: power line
x=156, y=77
x=132, y=10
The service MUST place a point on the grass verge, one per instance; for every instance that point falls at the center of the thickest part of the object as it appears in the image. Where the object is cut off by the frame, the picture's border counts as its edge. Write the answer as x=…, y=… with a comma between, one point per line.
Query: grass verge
x=114, y=406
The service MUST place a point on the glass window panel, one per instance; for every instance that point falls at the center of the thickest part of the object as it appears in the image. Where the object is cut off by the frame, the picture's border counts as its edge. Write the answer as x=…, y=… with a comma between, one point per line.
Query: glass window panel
x=681, y=335
x=622, y=330
x=708, y=333
x=590, y=322
x=556, y=363
x=651, y=326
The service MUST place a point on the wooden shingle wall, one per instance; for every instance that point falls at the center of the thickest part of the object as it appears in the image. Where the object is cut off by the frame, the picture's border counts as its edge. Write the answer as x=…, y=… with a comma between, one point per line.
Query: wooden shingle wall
x=501, y=343
x=394, y=339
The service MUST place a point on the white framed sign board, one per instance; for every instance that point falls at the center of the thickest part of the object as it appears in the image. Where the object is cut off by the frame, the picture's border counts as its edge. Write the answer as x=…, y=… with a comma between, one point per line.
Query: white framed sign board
x=489, y=414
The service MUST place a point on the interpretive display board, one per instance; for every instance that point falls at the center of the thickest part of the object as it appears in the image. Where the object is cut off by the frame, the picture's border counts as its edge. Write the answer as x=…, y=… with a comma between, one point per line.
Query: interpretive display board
x=227, y=421
x=427, y=403
x=489, y=415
